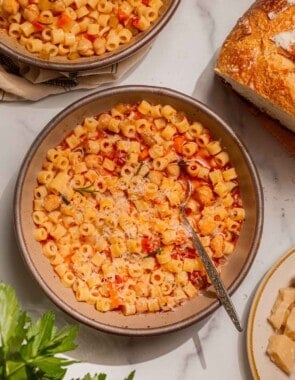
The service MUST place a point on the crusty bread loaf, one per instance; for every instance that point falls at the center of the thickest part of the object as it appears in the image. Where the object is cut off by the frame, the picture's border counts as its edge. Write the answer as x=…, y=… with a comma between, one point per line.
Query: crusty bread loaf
x=258, y=58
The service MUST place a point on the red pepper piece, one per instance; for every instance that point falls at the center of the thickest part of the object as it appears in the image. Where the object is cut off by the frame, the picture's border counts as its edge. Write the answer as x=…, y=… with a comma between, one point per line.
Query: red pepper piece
x=122, y=16
x=90, y=37
x=38, y=26
x=135, y=21
x=64, y=20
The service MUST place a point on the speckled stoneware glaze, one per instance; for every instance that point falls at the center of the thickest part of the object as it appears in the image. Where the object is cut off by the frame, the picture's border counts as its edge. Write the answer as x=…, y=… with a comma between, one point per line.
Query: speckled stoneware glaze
x=151, y=323
x=10, y=47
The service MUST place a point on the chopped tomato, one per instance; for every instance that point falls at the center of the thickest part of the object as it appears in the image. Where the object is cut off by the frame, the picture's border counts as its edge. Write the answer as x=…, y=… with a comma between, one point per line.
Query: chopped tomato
x=190, y=253
x=129, y=24
x=135, y=21
x=150, y=245
x=178, y=142
x=64, y=20
x=120, y=158
x=122, y=16
x=143, y=154
x=187, y=253
x=38, y=26
x=199, y=279
x=135, y=114
x=158, y=201
x=146, y=244
x=114, y=296
x=90, y=37
x=146, y=2
x=33, y=1
x=118, y=279
x=218, y=261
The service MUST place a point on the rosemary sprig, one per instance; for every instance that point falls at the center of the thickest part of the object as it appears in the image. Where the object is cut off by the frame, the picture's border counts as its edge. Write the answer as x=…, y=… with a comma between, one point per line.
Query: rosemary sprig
x=138, y=169
x=155, y=252
x=65, y=199
x=86, y=189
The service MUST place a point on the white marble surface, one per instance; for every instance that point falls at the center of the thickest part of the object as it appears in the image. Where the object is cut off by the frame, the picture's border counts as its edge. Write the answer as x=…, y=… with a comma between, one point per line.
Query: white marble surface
x=181, y=58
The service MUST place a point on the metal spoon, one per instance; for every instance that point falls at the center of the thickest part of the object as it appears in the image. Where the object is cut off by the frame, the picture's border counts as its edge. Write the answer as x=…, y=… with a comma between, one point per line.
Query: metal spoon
x=211, y=270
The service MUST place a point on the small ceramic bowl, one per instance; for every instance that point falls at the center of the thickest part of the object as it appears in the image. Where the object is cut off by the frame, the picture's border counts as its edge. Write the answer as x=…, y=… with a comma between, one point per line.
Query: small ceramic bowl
x=191, y=311
x=10, y=47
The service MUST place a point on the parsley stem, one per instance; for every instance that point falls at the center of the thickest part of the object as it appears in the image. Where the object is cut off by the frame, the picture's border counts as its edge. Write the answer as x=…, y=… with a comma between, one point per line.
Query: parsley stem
x=8, y=375
x=4, y=348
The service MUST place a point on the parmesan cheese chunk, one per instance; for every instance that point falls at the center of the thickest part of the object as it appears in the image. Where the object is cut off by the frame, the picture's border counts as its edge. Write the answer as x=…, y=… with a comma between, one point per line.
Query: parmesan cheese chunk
x=290, y=325
x=279, y=312
x=281, y=350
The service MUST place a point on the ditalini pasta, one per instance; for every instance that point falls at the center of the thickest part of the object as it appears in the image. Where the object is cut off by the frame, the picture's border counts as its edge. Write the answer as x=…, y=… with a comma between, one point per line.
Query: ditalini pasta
x=76, y=28
x=106, y=208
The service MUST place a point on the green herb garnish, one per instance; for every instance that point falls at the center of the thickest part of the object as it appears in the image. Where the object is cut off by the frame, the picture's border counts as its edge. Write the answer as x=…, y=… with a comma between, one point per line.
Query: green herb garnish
x=130, y=376
x=155, y=252
x=28, y=350
x=86, y=189
x=65, y=200
x=138, y=169
x=103, y=376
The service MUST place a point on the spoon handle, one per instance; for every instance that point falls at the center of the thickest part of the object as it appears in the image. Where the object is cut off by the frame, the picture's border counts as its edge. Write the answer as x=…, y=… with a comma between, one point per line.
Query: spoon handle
x=211, y=270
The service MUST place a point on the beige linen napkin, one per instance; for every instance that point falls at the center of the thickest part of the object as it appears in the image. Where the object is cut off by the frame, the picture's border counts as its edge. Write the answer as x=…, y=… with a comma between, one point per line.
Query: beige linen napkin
x=19, y=81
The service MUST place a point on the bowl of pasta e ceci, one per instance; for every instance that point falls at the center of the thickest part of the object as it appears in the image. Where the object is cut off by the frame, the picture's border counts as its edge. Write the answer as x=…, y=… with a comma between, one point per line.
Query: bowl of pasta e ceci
x=97, y=214
x=78, y=35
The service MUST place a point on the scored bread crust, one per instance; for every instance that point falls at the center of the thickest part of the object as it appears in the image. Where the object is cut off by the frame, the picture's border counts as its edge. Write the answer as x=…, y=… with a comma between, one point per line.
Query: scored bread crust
x=258, y=68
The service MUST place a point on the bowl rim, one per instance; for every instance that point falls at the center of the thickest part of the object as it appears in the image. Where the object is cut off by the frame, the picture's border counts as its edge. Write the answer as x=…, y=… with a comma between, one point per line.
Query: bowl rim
x=114, y=58
x=26, y=255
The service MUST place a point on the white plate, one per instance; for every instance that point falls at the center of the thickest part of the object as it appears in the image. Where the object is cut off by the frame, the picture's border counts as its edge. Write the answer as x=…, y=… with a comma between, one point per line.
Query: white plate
x=259, y=330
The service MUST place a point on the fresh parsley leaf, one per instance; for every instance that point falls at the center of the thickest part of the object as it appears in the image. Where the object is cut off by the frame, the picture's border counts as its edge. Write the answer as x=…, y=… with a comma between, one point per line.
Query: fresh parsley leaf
x=27, y=349
x=130, y=376
x=103, y=376
x=13, y=328
x=12, y=319
x=52, y=367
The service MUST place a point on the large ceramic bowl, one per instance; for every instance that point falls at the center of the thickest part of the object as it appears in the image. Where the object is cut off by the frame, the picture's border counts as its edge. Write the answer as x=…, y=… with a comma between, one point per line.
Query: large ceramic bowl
x=10, y=47
x=191, y=311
